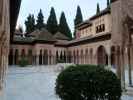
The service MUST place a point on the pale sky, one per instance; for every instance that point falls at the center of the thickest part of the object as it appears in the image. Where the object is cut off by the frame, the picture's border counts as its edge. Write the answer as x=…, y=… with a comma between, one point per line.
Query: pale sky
x=88, y=8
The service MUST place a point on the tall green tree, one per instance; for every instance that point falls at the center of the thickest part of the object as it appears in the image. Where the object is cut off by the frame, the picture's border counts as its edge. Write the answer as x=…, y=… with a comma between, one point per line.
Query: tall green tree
x=63, y=26
x=108, y=3
x=52, y=25
x=40, y=20
x=30, y=23
x=78, y=19
x=98, y=8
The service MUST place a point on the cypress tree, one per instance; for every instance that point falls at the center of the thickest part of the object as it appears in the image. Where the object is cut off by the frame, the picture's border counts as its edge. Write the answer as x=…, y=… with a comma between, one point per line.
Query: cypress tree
x=63, y=26
x=52, y=25
x=78, y=18
x=98, y=8
x=40, y=20
x=108, y=3
x=30, y=23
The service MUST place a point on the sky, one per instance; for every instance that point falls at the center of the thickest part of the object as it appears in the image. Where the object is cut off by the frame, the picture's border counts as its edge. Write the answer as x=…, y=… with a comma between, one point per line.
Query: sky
x=88, y=8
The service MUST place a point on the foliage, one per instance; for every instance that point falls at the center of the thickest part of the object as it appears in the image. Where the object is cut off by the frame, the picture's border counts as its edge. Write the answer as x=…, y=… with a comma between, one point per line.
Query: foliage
x=52, y=25
x=98, y=8
x=88, y=82
x=108, y=3
x=40, y=20
x=60, y=61
x=78, y=18
x=30, y=23
x=23, y=62
x=63, y=26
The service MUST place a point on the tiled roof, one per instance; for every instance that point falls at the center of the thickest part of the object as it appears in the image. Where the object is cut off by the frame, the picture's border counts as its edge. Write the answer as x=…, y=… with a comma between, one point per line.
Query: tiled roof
x=84, y=24
x=60, y=36
x=23, y=39
x=43, y=34
x=112, y=1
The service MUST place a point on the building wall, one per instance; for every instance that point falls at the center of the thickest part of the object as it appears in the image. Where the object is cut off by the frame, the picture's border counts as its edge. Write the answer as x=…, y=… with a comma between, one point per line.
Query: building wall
x=91, y=30
x=81, y=54
x=86, y=49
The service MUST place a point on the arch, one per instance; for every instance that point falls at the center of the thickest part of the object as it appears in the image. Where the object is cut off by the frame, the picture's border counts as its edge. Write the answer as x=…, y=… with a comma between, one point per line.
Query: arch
x=57, y=56
x=23, y=53
x=30, y=56
x=74, y=56
x=40, y=58
x=77, y=56
x=102, y=57
x=86, y=56
x=69, y=57
x=65, y=56
x=50, y=57
x=113, y=56
x=61, y=56
x=45, y=57
x=91, y=55
x=16, y=57
x=81, y=56
x=11, y=57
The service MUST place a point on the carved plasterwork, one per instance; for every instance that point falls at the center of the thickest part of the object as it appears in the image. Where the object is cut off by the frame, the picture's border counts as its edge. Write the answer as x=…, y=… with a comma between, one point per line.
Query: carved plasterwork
x=1, y=11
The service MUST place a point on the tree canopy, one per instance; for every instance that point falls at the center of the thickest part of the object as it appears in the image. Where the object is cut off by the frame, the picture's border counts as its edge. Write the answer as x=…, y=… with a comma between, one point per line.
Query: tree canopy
x=52, y=25
x=63, y=26
x=78, y=18
x=40, y=20
x=98, y=8
x=108, y=3
x=30, y=23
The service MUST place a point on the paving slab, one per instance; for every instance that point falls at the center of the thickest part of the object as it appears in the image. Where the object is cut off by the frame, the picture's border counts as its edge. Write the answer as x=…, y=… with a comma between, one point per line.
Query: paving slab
x=33, y=83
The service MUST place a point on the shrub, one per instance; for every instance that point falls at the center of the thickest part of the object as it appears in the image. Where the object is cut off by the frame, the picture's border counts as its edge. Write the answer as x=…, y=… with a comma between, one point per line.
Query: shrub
x=88, y=82
x=23, y=62
x=60, y=61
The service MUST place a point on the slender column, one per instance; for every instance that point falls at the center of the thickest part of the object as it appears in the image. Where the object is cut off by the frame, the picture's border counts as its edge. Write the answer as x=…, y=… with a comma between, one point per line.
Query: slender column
x=109, y=60
x=42, y=60
x=48, y=59
x=37, y=60
x=118, y=63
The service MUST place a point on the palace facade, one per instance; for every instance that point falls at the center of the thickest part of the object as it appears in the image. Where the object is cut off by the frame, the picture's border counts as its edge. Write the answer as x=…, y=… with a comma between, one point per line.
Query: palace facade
x=91, y=46
x=103, y=39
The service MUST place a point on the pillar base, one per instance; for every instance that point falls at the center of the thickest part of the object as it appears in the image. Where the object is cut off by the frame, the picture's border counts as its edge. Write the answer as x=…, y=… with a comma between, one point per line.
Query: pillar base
x=1, y=91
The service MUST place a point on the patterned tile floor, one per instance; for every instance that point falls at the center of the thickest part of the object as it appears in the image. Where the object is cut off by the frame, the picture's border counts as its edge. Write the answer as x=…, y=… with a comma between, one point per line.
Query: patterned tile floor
x=33, y=83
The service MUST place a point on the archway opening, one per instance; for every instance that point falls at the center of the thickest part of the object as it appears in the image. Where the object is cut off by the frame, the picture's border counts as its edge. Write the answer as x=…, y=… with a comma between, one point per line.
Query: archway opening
x=16, y=57
x=45, y=57
x=113, y=56
x=11, y=57
x=40, y=58
x=102, y=57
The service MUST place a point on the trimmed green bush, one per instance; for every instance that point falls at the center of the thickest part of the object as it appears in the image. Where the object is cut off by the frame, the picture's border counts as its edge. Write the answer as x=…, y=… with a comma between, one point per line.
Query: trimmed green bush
x=88, y=82
x=23, y=62
x=60, y=61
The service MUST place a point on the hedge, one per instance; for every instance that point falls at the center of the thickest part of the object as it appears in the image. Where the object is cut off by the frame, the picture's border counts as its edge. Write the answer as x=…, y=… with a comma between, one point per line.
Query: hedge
x=88, y=82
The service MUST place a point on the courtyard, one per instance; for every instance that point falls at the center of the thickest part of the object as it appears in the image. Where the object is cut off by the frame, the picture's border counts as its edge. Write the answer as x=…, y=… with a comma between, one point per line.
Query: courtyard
x=33, y=83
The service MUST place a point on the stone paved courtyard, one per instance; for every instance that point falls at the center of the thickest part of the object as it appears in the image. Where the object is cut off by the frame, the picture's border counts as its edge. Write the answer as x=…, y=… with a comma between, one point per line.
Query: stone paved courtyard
x=33, y=83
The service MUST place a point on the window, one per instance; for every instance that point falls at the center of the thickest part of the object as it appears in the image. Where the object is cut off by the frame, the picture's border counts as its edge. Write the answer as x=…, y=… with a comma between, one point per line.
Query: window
x=100, y=28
